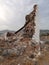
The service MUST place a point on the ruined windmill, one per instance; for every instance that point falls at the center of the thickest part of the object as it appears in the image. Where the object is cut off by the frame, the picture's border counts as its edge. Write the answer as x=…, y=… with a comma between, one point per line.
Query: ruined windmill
x=28, y=29
x=20, y=43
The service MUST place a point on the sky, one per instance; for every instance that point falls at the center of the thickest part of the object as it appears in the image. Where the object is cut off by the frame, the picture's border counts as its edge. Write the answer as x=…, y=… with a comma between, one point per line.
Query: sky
x=13, y=12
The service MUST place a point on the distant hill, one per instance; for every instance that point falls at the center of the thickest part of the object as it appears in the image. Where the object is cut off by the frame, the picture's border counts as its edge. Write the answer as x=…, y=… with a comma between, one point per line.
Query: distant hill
x=4, y=31
x=44, y=32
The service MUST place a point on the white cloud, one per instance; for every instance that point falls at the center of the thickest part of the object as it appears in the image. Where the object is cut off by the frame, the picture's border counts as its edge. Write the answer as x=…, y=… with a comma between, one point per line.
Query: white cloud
x=3, y=27
x=13, y=13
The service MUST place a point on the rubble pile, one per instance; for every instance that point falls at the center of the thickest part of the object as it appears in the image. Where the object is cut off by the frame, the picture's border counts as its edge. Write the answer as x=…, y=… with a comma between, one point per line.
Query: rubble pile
x=19, y=48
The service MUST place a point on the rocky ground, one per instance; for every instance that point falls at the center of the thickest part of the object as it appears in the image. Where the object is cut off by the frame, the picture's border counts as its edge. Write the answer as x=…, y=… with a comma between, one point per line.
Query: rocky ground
x=22, y=52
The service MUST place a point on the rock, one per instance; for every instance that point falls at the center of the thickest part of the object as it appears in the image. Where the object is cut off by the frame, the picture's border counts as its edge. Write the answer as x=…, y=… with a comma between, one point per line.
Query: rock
x=12, y=52
x=32, y=56
x=36, y=63
x=5, y=53
x=20, y=50
x=1, y=50
x=18, y=64
x=1, y=59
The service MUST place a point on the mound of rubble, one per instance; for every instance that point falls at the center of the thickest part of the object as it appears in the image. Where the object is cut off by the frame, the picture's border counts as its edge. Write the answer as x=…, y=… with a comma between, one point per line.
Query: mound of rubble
x=19, y=48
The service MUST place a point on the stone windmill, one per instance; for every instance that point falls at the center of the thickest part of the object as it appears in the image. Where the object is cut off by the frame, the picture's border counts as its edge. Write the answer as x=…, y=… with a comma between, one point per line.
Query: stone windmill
x=28, y=29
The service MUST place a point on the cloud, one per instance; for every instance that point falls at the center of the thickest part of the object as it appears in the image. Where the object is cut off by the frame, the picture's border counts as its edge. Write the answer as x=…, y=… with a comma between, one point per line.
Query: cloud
x=16, y=10
x=44, y=14
x=3, y=27
x=14, y=13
